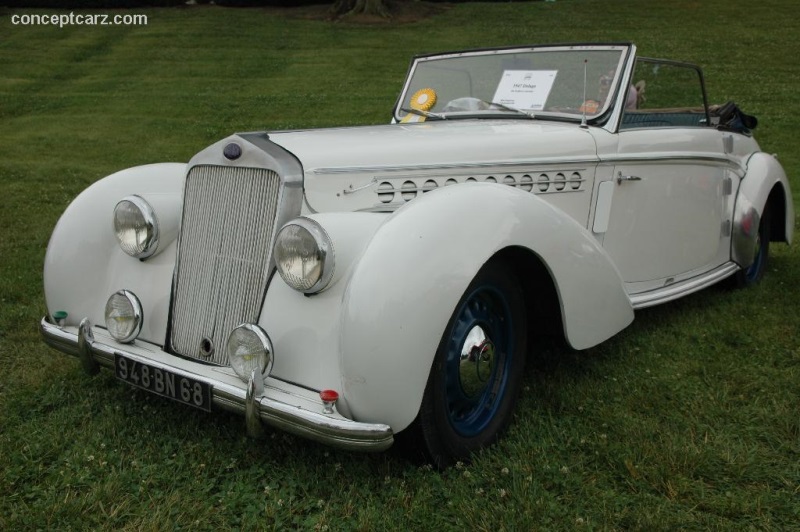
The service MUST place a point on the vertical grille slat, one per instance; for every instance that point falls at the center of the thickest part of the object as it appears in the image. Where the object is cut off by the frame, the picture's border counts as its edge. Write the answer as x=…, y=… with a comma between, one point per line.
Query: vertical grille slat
x=224, y=252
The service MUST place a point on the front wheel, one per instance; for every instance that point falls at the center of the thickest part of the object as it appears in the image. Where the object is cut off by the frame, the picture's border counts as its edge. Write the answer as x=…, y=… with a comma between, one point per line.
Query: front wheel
x=477, y=370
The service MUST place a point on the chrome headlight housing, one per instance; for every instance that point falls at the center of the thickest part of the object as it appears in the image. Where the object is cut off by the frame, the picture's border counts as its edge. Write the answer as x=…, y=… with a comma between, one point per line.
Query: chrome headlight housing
x=249, y=348
x=304, y=255
x=136, y=227
x=124, y=316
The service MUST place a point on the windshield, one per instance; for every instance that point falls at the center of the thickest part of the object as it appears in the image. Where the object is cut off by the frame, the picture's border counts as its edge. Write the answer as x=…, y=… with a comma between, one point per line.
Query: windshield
x=565, y=81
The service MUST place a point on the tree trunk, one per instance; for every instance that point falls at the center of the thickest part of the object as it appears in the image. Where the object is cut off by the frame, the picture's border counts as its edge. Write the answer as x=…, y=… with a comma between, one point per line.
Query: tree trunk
x=360, y=7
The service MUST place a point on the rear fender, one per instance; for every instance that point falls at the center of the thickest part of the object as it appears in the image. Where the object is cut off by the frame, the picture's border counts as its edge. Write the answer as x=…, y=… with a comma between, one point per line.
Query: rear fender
x=84, y=264
x=765, y=176
x=408, y=280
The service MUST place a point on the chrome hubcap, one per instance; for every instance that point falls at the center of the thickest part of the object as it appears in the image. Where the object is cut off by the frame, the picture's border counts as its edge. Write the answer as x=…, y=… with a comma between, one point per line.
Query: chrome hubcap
x=477, y=362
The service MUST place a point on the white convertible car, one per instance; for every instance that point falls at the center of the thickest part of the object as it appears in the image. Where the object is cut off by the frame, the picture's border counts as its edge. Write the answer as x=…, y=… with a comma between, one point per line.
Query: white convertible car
x=349, y=284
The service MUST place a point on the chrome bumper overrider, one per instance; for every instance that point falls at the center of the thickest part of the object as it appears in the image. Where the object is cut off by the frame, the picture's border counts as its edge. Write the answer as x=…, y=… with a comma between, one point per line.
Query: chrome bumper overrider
x=289, y=407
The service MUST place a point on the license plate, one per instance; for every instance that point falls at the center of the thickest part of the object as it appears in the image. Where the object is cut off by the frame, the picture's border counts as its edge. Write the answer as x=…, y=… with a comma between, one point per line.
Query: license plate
x=164, y=383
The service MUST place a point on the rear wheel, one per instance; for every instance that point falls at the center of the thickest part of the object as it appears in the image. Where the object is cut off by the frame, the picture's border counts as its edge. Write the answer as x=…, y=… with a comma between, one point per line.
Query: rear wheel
x=753, y=274
x=477, y=370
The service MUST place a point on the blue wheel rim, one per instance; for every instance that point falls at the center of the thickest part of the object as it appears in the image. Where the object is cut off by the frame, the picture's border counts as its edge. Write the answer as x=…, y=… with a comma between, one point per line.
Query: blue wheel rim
x=485, y=307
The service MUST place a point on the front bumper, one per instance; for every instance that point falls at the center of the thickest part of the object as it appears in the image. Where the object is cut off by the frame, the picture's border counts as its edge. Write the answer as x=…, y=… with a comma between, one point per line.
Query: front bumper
x=287, y=407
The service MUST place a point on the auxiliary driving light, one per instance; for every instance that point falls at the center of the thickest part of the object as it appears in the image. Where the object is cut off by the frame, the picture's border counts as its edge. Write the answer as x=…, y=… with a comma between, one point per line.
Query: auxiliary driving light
x=124, y=316
x=249, y=348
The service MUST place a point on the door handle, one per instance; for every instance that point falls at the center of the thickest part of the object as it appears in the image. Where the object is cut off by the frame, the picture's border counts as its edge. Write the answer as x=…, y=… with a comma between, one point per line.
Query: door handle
x=621, y=178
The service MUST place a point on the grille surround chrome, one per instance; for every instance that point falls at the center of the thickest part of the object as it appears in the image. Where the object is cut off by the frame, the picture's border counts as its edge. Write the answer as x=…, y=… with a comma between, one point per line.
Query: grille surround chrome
x=258, y=154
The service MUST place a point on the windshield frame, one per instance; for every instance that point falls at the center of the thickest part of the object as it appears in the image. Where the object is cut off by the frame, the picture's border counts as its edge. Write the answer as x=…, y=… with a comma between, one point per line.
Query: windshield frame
x=600, y=117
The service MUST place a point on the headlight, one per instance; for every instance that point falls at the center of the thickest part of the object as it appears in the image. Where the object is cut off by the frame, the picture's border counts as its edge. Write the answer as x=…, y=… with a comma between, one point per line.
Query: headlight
x=136, y=227
x=249, y=348
x=304, y=255
x=124, y=316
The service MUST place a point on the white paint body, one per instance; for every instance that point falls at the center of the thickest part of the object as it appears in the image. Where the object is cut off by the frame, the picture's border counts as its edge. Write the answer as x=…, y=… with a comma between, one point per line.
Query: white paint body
x=405, y=252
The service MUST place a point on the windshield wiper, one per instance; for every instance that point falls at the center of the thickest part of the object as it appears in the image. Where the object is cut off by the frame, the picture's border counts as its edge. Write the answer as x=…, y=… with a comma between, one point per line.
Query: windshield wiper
x=426, y=114
x=512, y=109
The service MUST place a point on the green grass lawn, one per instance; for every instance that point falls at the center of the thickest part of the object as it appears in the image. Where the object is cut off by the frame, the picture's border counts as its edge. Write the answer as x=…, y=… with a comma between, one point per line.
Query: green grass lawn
x=688, y=419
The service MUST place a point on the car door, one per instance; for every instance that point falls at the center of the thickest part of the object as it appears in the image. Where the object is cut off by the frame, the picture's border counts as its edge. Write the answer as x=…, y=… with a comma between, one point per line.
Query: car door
x=670, y=184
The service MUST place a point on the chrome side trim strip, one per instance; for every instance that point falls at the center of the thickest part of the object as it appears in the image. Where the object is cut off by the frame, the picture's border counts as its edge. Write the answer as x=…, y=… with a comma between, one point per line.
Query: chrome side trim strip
x=229, y=393
x=675, y=157
x=560, y=161
x=548, y=161
x=683, y=288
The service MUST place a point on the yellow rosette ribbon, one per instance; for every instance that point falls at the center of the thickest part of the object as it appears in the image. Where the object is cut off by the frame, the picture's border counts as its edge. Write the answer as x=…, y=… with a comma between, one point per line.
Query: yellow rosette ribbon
x=423, y=100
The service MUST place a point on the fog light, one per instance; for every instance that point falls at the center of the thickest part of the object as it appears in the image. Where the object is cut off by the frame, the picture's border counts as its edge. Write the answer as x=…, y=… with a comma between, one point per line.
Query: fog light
x=124, y=316
x=249, y=348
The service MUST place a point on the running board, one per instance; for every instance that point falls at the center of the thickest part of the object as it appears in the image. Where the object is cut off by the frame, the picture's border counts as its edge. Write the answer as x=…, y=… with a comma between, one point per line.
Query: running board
x=683, y=288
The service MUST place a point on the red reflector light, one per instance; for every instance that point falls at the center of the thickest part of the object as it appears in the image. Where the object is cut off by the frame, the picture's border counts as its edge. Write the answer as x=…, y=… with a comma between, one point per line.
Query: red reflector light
x=329, y=396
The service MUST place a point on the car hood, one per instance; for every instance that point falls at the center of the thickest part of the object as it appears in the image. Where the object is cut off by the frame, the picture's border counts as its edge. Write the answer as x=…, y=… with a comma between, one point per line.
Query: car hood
x=340, y=163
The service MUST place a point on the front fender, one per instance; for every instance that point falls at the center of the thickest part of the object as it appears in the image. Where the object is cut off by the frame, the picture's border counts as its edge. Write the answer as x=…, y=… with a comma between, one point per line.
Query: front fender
x=764, y=174
x=84, y=264
x=306, y=330
x=410, y=277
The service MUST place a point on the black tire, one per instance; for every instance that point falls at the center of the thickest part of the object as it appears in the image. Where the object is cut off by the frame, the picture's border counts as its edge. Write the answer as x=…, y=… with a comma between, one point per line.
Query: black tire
x=755, y=272
x=477, y=371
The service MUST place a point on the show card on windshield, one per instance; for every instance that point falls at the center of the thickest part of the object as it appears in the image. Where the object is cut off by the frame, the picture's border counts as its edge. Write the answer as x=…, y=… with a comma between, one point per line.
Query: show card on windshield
x=525, y=89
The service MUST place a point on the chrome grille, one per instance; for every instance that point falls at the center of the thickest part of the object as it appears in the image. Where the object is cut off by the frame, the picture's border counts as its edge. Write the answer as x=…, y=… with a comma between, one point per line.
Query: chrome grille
x=224, y=254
